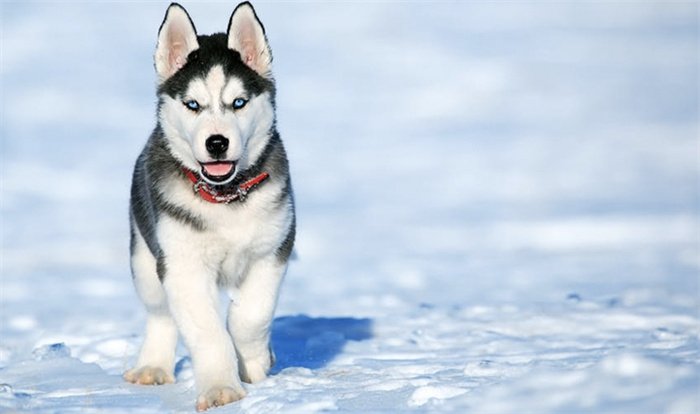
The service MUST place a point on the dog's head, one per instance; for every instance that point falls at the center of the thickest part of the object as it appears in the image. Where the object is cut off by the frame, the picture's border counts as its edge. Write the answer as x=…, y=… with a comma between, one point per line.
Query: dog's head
x=216, y=93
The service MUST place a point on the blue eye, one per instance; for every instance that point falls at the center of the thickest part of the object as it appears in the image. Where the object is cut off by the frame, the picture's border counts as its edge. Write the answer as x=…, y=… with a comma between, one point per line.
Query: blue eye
x=239, y=103
x=192, y=105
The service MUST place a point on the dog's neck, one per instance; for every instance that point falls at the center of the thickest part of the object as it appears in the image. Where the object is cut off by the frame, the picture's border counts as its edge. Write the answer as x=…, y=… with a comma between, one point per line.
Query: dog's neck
x=223, y=194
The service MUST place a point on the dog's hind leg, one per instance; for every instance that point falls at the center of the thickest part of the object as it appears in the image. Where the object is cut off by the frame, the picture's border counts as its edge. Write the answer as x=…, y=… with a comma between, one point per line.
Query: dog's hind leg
x=156, y=361
x=250, y=318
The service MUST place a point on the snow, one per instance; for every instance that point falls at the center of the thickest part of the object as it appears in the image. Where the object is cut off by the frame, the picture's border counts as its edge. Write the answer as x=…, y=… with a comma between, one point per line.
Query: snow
x=498, y=207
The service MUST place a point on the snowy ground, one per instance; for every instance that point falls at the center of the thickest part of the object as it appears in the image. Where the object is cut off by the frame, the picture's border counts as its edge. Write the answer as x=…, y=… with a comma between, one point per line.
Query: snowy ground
x=498, y=206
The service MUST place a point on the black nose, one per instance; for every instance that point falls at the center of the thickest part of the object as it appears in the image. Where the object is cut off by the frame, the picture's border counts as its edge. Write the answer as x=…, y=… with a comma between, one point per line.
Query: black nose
x=216, y=145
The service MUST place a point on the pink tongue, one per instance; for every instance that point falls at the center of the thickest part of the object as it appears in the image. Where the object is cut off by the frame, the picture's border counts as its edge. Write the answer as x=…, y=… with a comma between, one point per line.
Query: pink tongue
x=218, y=169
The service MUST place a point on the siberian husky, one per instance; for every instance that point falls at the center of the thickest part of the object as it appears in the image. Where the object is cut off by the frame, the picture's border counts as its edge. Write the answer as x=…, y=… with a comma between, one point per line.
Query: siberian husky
x=211, y=207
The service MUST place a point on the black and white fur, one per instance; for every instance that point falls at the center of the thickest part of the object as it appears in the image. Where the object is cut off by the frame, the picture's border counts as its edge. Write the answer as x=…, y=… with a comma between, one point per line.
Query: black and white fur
x=183, y=248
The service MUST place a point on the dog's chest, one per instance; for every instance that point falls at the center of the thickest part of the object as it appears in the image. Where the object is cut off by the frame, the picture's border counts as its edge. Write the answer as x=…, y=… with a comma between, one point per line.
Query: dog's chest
x=243, y=229
x=237, y=237
x=227, y=238
x=237, y=234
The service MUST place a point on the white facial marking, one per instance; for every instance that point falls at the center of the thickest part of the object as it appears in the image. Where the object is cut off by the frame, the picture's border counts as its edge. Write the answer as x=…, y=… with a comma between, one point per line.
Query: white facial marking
x=247, y=128
x=214, y=118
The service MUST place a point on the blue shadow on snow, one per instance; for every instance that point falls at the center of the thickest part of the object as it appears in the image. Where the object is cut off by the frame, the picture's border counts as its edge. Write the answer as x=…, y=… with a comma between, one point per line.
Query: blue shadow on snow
x=303, y=341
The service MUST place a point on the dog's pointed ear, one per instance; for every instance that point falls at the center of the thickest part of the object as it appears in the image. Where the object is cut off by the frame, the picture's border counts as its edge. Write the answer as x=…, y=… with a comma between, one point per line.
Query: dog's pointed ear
x=246, y=35
x=177, y=38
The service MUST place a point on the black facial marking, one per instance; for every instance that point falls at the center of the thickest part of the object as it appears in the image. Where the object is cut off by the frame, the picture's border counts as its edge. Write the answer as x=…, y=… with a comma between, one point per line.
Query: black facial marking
x=213, y=50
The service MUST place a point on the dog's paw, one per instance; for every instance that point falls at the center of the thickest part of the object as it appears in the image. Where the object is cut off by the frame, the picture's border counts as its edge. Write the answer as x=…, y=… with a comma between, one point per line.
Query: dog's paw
x=148, y=376
x=253, y=372
x=218, y=396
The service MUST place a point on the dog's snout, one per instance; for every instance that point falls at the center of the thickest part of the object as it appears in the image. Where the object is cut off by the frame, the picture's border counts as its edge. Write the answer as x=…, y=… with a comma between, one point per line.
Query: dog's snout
x=217, y=145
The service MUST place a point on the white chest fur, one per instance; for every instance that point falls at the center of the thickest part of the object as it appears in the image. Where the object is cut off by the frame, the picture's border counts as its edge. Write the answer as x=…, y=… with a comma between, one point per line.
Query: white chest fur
x=233, y=236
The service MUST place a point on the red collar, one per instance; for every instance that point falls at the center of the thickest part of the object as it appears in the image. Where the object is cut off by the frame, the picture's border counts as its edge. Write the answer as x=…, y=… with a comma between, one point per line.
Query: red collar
x=236, y=193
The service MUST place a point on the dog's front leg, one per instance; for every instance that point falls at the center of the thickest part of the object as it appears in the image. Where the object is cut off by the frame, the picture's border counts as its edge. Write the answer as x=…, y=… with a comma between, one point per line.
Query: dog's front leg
x=193, y=303
x=192, y=297
x=250, y=317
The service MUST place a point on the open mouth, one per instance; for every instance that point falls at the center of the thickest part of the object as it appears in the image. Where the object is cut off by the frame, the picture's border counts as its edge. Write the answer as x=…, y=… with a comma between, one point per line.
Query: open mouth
x=218, y=172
